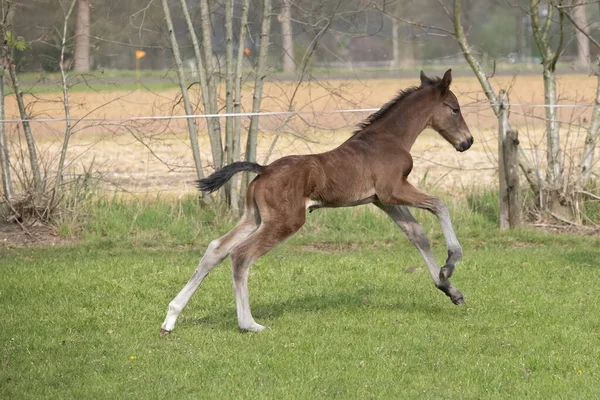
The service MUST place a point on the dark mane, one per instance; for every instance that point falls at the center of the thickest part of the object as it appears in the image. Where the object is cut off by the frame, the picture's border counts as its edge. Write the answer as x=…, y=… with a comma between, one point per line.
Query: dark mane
x=389, y=105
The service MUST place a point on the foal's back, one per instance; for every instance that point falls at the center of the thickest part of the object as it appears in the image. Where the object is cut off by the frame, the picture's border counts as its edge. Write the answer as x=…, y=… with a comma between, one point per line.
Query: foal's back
x=336, y=178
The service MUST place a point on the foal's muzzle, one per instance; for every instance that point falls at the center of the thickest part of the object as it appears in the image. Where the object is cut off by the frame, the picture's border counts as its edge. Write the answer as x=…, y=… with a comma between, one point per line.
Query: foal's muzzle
x=465, y=144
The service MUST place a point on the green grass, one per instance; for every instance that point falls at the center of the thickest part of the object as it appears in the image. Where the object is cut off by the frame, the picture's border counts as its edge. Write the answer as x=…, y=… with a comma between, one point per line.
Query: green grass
x=98, y=81
x=99, y=86
x=160, y=80
x=346, y=320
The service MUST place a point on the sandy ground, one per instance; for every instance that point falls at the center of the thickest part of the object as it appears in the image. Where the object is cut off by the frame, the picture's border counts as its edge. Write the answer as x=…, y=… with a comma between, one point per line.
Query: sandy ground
x=154, y=156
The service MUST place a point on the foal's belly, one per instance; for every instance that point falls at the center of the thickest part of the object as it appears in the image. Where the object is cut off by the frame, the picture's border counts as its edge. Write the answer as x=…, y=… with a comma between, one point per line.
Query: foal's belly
x=311, y=205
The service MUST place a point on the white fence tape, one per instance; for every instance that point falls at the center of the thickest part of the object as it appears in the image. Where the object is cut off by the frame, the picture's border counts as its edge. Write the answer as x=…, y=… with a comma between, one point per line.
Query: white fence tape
x=264, y=113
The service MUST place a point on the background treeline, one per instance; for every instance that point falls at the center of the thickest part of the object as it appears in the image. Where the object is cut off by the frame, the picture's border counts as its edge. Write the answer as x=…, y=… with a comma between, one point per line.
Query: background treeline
x=401, y=33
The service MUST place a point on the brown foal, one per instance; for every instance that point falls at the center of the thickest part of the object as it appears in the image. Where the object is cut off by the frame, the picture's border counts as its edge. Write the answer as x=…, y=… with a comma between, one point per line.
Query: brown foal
x=372, y=166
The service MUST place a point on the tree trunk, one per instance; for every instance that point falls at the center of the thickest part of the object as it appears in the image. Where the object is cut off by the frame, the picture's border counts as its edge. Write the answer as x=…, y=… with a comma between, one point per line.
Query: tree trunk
x=202, y=74
x=237, y=104
x=82, y=36
x=591, y=139
x=4, y=160
x=556, y=198
x=33, y=158
x=583, y=43
x=553, y=153
x=216, y=143
x=192, y=128
x=396, y=37
x=7, y=186
x=287, y=36
x=229, y=97
x=554, y=178
x=503, y=211
x=258, y=86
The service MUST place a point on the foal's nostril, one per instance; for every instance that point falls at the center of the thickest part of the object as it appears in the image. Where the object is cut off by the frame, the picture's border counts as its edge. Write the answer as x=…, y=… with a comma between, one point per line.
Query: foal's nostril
x=465, y=144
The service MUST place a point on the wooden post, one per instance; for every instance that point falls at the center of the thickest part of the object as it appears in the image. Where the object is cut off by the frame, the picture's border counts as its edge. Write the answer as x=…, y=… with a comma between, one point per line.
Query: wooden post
x=502, y=127
x=511, y=171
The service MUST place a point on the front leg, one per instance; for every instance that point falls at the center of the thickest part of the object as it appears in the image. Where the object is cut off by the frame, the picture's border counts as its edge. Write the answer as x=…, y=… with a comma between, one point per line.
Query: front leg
x=403, y=193
x=415, y=233
x=455, y=253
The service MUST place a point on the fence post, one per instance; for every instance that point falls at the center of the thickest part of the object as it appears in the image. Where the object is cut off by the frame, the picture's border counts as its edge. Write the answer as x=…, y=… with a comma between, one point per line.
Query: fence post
x=511, y=171
x=502, y=127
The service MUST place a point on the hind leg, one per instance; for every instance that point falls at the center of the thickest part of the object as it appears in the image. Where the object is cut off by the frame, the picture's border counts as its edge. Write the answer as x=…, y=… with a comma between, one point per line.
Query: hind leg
x=269, y=235
x=216, y=252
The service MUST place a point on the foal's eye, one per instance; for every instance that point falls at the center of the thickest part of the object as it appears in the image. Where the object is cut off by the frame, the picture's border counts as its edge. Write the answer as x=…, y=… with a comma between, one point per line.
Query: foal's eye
x=455, y=110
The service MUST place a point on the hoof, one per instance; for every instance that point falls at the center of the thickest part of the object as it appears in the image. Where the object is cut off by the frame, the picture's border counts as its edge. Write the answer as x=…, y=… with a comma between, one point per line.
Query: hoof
x=164, y=332
x=450, y=291
x=460, y=301
x=446, y=272
x=253, y=328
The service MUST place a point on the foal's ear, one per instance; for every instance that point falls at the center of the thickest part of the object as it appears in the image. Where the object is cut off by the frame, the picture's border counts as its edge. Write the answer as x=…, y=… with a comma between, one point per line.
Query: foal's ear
x=425, y=80
x=446, y=81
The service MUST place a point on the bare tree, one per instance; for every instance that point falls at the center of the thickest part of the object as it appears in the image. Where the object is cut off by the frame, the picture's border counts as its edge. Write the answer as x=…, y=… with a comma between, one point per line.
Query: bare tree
x=40, y=193
x=591, y=139
x=208, y=93
x=258, y=86
x=549, y=55
x=65, y=144
x=593, y=131
x=555, y=191
x=233, y=80
x=532, y=174
x=229, y=133
x=192, y=128
x=30, y=140
x=216, y=143
x=7, y=186
x=237, y=103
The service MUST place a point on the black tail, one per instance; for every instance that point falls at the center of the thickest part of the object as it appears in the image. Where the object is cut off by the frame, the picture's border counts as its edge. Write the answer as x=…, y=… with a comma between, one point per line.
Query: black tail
x=220, y=177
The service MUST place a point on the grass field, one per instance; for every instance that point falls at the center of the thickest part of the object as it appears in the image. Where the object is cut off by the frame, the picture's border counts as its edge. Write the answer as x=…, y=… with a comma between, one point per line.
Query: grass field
x=352, y=312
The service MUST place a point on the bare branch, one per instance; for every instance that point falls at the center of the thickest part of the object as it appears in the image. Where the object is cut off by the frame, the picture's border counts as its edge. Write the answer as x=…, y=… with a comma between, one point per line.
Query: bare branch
x=65, y=90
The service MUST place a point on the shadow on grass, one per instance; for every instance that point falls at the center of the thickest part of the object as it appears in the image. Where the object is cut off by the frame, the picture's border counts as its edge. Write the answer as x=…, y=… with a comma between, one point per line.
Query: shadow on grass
x=342, y=301
x=582, y=257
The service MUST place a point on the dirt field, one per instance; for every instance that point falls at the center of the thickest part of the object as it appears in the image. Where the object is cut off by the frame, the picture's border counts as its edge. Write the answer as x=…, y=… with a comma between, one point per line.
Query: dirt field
x=154, y=156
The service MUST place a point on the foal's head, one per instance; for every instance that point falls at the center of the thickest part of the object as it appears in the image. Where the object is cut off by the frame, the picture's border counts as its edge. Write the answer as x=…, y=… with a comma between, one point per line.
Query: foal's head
x=446, y=118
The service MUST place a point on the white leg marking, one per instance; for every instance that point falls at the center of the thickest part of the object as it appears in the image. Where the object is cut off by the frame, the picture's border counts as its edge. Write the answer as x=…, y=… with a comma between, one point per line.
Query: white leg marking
x=216, y=252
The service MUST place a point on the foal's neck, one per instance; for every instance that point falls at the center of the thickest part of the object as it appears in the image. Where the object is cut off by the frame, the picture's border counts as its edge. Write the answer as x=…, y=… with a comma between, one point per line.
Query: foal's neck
x=409, y=117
